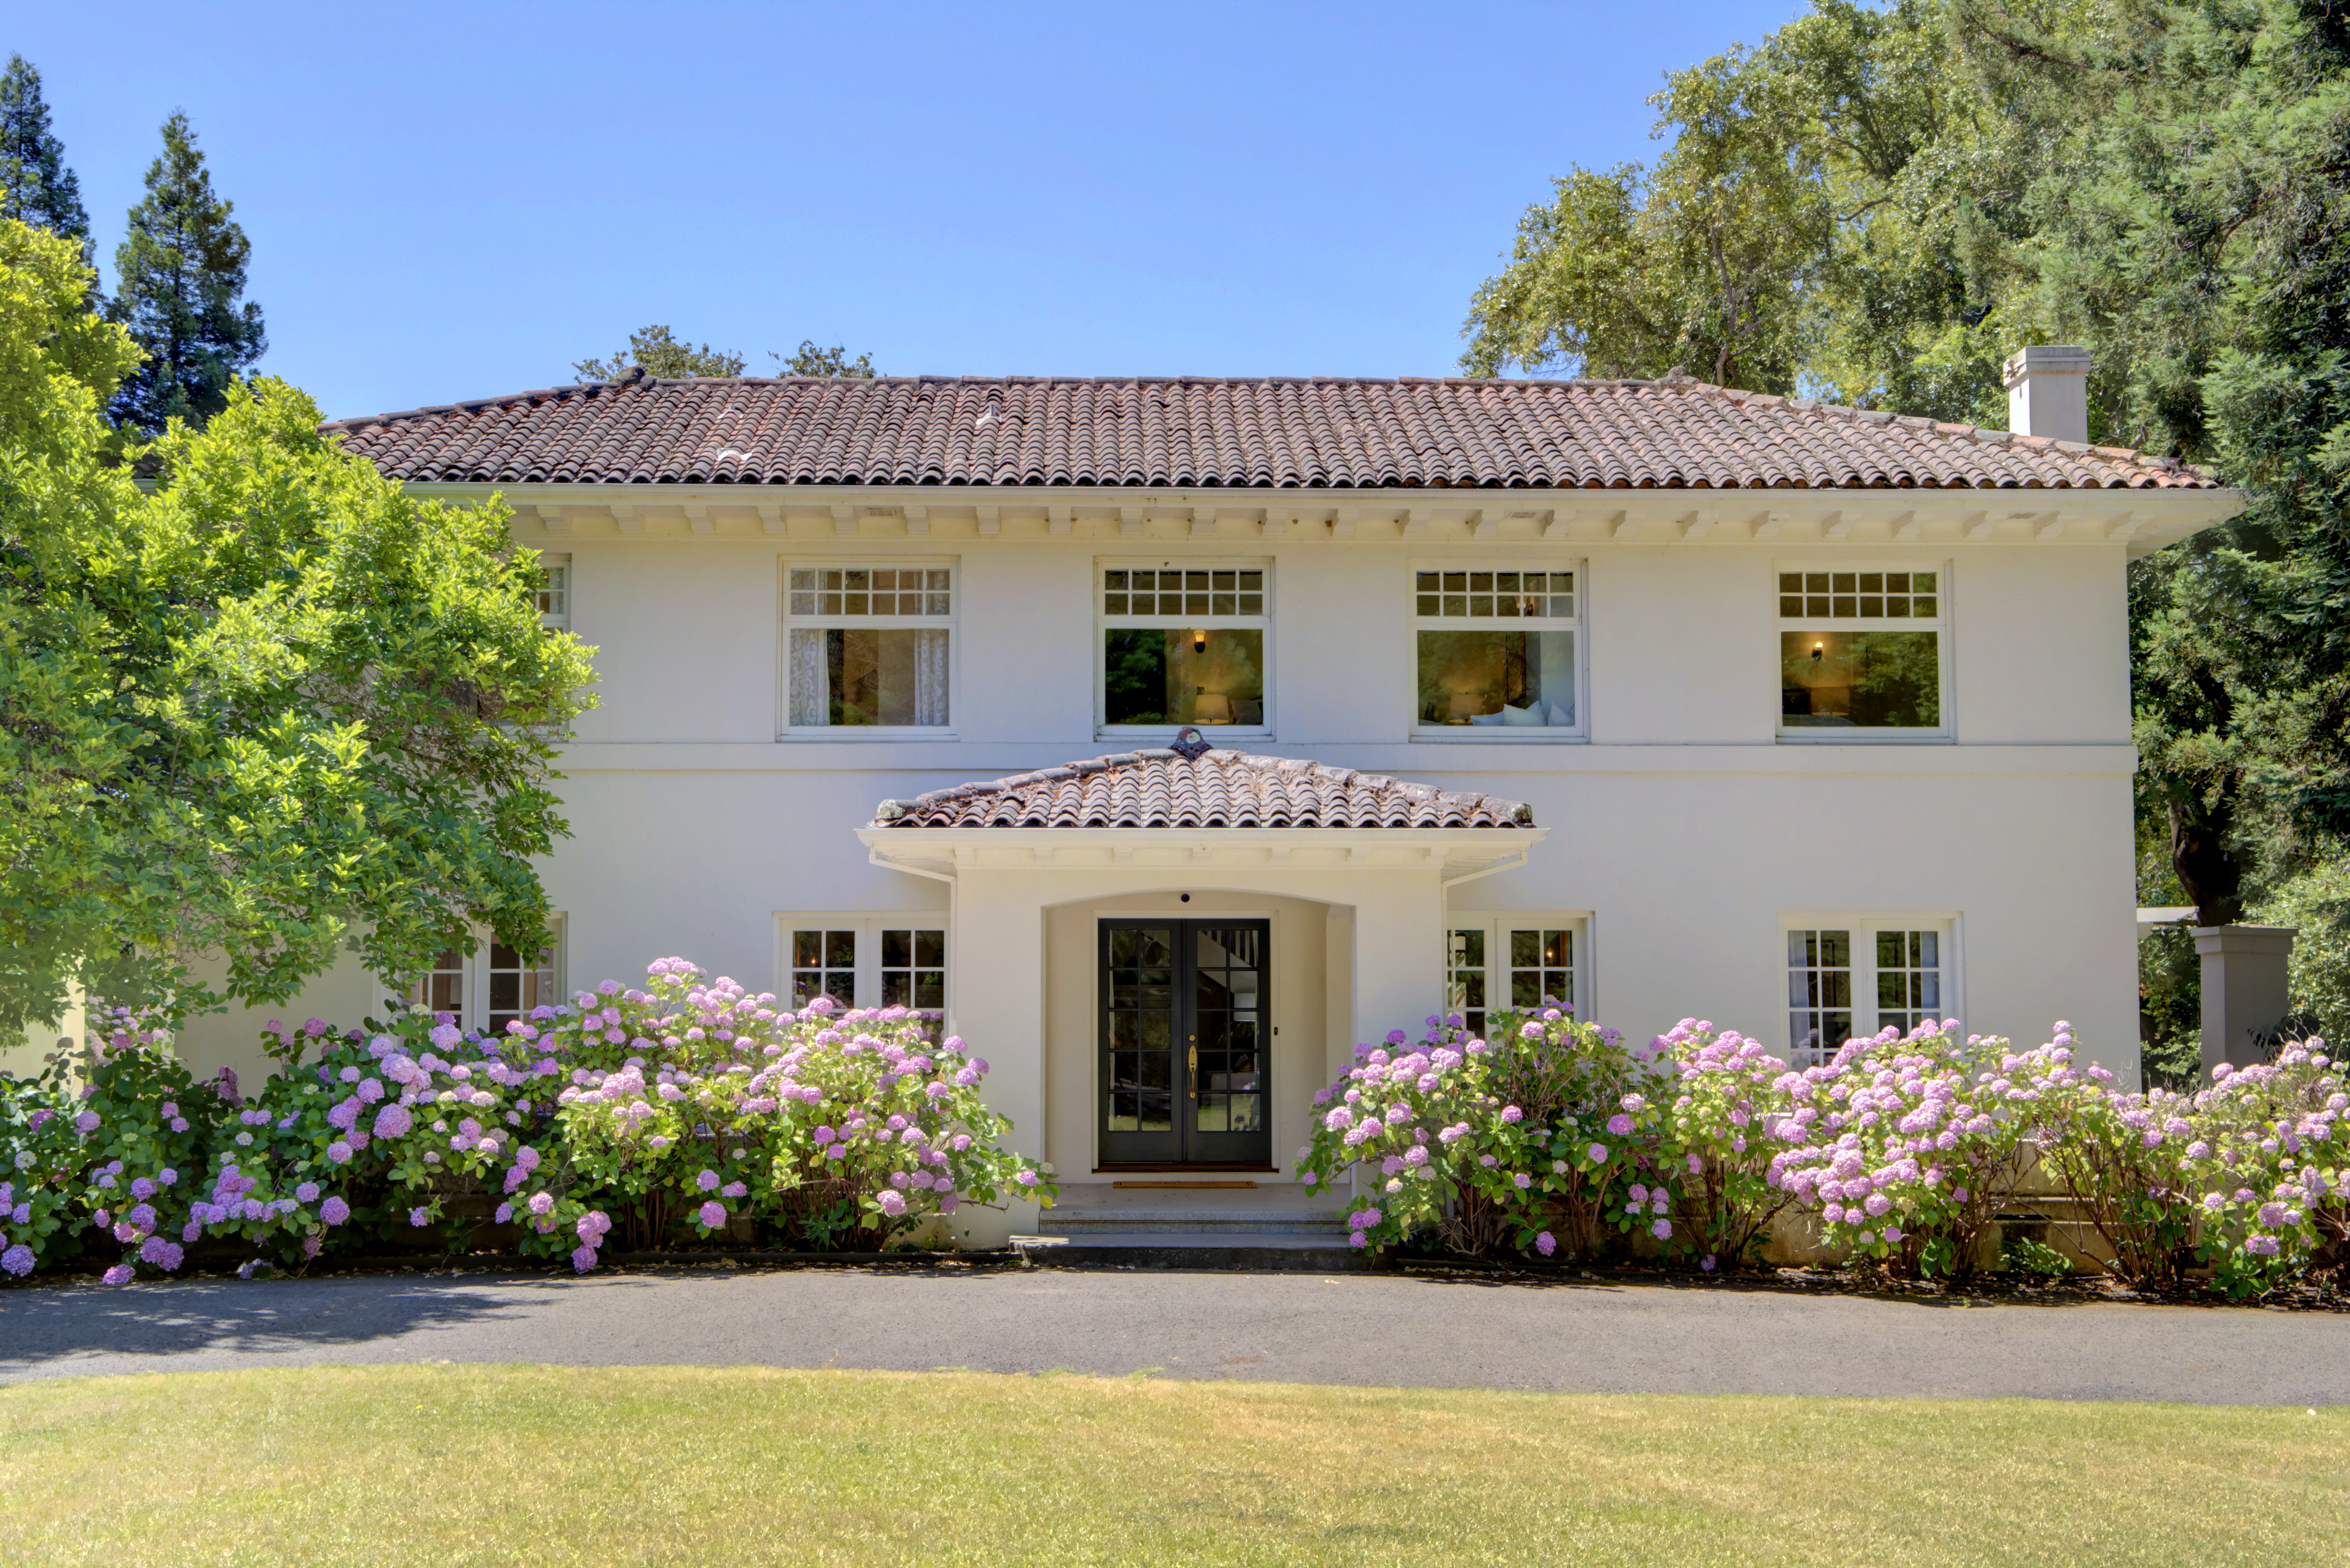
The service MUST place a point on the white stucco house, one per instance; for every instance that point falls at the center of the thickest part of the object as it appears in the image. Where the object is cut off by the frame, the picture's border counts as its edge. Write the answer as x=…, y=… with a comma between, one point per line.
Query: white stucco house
x=1657, y=698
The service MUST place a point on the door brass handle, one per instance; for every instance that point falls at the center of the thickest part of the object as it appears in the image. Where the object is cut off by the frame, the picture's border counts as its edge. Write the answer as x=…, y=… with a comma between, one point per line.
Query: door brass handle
x=1192, y=1076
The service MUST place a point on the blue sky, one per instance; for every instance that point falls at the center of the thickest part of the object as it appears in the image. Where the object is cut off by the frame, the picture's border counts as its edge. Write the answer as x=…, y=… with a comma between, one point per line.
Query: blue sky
x=449, y=202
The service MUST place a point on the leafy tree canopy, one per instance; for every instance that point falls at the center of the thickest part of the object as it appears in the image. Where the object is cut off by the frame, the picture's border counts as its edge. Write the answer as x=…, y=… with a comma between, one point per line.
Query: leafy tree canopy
x=179, y=287
x=269, y=707
x=659, y=352
x=1878, y=203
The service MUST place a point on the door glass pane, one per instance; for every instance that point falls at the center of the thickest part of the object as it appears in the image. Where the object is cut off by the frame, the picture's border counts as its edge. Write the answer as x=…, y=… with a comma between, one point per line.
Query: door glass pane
x=1908, y=979
x=1227, y=1025
x=1141, y=1027
x=444, y=990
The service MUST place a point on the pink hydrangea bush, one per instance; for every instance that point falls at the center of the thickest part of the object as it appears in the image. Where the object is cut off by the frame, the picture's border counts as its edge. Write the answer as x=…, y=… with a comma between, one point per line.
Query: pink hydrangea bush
x=2119, y=1159
x=1469, y=1140
x=2265, y=1151
x=694, y=1104
x=1910, y=1145
x=98, y=1167
x=1725, y=1119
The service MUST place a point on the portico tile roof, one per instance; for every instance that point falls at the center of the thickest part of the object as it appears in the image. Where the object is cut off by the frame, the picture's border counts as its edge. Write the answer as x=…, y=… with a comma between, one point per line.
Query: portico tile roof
x=1162, y=788
x=1302, y=434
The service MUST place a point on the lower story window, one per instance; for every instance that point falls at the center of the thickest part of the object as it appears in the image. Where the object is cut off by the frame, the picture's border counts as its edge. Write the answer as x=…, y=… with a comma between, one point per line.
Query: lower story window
x=1523, y=962
x=1850, y=980
x=491, y=986
x=867, y=962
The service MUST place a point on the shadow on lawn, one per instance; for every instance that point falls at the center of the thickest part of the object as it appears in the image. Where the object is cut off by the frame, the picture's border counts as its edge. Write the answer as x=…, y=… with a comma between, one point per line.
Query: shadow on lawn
x=47, y=1330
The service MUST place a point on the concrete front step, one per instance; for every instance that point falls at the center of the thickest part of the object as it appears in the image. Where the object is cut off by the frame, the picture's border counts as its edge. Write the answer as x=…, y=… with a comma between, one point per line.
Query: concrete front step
x=1221, y=1249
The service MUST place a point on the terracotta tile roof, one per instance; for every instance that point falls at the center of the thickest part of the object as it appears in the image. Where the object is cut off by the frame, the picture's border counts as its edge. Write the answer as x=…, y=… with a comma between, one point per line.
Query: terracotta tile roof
x=1215, y=789
x=1279, y=433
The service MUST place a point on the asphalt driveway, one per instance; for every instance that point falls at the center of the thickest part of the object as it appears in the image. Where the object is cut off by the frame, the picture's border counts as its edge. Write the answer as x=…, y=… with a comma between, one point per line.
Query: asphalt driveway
x=1378, y=1330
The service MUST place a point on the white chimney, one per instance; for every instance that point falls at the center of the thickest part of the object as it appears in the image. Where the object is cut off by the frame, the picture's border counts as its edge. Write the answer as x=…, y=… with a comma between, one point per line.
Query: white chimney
x=2048, y=392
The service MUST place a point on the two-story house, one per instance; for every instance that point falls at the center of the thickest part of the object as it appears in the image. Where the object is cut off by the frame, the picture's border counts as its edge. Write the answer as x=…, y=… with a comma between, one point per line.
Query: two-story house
x=1170, y=736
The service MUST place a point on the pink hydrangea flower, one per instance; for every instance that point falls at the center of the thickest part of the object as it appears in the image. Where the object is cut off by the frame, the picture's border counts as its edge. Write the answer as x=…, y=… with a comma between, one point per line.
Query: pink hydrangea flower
x=117, y=1275
x=713, y=1213
x=17, y=1259
x=1545, y=1243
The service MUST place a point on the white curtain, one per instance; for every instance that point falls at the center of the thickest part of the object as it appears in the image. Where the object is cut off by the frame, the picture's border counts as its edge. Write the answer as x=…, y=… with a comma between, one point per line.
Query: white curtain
x=811, y=699
x=930, y=677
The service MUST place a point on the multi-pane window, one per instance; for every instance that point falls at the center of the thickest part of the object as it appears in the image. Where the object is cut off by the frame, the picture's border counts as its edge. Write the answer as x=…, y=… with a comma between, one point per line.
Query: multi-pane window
x=491, y=986
x=1523, y=961
x=1819, y=994
x=1908, y=979
x=914, y=968
x=555, y=592
x=1835, y=974
x=1860, y=651
x=824, y=963
x=1542, y=967
x=1465, y=975
x=865, y=961
x=1184, y=644
x=868, y=646
x=518, y=983
x=444, y=989
x=1495, y=649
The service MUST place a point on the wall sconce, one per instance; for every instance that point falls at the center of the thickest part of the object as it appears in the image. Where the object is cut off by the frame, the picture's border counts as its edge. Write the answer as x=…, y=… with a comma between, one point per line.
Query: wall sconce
x=1199, y=641
x=1818, y=648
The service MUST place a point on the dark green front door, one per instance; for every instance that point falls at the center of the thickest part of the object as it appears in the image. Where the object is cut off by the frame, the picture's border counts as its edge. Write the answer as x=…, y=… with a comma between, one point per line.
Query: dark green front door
x=1184, y=1029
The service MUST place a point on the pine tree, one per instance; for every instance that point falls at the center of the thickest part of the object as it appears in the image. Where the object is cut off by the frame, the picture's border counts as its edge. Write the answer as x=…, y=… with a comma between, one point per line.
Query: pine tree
x=179, y=273
x=36, y=186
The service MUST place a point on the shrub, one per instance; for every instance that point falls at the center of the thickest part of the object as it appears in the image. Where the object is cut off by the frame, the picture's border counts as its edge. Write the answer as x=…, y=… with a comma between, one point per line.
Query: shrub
x=1915, y=1143
x=680, y=1108
x=2117, y=1156
x=2265, y=1153
x=1720, y=1137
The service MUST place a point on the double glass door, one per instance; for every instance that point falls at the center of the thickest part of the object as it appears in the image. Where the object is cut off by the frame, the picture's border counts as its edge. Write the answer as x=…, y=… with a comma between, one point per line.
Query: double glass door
x=1184, y=1029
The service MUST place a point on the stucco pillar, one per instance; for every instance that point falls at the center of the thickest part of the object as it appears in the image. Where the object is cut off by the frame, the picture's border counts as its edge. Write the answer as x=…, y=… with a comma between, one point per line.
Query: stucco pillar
x=997, y=962
x=1398, y=960
x=2245, y=990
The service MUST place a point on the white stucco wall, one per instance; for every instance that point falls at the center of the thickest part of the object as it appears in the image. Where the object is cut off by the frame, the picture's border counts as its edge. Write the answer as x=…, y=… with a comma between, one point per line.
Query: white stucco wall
x=1686, y=830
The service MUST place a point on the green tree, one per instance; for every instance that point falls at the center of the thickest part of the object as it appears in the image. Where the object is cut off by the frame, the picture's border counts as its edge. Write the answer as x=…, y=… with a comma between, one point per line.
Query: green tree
x=179, y=277
x=269, y=709
x=658, y=352
x=36, y=186
x=809, y=360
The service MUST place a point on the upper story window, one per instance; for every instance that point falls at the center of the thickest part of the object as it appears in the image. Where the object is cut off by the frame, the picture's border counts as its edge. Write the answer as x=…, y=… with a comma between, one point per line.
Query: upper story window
x=1496, y=653
x=1184, y=643
x=1861, y=654
x=555, y=592
x=867, y=648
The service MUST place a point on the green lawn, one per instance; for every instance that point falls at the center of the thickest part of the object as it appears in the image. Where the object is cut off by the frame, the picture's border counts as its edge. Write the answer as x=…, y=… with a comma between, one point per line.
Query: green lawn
x=457, y=1465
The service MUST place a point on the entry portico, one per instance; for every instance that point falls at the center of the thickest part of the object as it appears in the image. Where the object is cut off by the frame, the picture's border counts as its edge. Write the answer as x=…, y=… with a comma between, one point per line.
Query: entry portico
x=1308, y=902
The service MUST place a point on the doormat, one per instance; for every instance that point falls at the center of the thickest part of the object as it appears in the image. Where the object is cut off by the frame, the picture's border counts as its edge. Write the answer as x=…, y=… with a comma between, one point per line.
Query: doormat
x=1182, y=1184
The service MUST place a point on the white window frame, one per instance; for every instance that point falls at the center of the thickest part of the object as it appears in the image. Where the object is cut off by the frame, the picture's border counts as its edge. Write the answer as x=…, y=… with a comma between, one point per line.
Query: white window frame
x=951, y=623
x=1939, y=625
x=1864, y=929
x=475, y=971
x=553, y=595
x=1497, y=927
x=1105, y=622
x=867, y=964
x=1574, y=625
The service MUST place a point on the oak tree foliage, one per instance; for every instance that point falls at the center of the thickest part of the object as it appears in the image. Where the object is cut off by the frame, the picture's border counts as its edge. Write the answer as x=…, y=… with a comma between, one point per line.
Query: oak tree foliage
x=262, y=709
